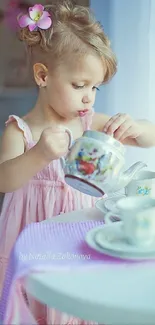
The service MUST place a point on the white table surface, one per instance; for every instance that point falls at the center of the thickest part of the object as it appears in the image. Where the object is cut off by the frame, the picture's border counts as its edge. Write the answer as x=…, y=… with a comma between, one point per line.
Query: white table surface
x=114, y=295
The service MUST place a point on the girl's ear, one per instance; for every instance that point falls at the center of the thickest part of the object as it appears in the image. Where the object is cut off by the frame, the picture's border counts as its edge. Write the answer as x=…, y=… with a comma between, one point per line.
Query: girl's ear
x=40, y=74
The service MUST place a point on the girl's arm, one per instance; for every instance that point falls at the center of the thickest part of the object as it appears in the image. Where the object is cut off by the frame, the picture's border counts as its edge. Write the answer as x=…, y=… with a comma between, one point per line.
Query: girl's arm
x=16, y=166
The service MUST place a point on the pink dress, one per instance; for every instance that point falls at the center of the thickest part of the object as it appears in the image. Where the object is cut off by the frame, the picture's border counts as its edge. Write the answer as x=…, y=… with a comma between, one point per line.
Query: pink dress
x=46, y=195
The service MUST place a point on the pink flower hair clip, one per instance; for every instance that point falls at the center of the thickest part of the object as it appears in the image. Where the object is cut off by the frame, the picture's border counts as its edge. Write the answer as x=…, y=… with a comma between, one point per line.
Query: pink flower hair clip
x=36, y=18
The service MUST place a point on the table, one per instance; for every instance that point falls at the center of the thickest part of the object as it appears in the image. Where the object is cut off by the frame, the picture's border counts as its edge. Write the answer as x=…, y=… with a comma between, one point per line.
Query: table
x=123, y=297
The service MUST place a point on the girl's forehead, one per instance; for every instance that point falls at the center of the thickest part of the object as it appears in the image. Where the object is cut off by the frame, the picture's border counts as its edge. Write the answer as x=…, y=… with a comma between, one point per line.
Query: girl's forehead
x=86, y=68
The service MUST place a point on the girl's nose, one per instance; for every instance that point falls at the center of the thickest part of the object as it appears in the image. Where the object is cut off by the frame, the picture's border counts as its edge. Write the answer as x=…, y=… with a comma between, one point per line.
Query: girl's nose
x=86, y=99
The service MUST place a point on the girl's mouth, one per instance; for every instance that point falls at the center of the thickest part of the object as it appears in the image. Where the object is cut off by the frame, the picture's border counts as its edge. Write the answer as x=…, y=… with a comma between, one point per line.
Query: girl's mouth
x=83, y=112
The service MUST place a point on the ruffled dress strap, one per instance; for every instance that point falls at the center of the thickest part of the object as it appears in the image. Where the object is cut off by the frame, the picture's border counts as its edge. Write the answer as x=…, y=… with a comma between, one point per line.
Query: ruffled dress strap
x=23, y=126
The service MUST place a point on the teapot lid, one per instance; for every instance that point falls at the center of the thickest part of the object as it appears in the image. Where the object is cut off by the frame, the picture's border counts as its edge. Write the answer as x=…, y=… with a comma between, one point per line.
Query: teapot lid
x=101, y=136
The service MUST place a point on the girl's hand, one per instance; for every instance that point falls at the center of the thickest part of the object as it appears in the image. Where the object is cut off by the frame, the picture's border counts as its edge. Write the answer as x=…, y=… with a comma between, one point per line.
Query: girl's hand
x=122, y=126
x=53, y=143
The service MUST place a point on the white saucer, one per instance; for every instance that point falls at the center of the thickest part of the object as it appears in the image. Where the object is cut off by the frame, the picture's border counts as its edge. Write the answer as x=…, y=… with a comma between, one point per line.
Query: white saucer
x=109, y=204
x=109, y=240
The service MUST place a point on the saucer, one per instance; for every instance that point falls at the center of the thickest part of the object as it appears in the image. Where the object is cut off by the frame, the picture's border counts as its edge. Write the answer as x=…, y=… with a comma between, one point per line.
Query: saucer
x=109, y=240
x=108, y=205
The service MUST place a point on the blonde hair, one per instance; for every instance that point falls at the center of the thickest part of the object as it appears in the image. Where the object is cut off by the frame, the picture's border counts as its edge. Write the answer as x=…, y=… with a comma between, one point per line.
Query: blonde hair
x=74, y=32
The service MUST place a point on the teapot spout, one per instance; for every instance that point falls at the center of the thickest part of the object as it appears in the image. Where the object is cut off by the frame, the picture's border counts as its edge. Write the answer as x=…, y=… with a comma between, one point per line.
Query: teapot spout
x=133, y=170
x=126, y=177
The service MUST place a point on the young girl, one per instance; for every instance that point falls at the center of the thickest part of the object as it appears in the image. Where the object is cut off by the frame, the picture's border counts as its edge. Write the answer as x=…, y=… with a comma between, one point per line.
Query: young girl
x=71, y=58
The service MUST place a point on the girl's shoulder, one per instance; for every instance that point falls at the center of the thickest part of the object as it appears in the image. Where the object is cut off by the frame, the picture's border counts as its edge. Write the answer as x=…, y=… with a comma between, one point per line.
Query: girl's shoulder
x=12, y=141
x=21, y=126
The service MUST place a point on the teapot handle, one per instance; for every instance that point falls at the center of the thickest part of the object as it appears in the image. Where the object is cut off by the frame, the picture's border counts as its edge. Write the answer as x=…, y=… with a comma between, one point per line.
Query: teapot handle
x=62, y=159
x=70, y=137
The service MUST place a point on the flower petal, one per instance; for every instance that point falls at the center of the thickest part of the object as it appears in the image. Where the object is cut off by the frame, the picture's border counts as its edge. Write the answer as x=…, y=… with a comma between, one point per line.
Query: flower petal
x=32, y=26
x=33, y=11
x=45, y=14
x=44, y=23
x=39, y=7
x=24, y=21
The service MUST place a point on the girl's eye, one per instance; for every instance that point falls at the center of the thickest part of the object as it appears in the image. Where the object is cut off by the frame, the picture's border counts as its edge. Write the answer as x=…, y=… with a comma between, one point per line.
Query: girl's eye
x=78, y=87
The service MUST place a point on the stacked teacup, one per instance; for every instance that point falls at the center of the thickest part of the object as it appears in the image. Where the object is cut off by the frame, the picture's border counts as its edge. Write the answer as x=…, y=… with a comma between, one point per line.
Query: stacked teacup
x=137, y=210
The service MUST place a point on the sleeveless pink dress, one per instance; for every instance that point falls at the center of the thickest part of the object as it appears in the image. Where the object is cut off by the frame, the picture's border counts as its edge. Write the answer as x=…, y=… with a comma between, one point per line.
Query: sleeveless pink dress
x=46, y=195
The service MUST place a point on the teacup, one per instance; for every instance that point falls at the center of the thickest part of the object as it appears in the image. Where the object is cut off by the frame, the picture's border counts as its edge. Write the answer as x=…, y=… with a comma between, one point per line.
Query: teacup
x=143, y=184
x=138, y=219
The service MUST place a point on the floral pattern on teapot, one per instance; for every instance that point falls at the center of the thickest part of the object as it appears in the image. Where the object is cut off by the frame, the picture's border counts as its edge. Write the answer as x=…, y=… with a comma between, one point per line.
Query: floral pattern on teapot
x=90, y=161
x=94, y=164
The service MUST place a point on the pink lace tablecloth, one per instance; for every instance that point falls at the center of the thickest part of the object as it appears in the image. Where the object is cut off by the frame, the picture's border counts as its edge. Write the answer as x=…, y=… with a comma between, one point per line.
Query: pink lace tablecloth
x=37, y=250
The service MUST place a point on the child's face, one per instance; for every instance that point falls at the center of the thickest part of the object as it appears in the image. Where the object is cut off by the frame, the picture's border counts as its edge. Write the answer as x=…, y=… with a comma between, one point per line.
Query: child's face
x=72, y=88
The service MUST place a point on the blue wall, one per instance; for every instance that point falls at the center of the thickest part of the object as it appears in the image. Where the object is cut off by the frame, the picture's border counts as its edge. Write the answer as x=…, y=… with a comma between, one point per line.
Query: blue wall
x=101, y=8
x=127, y=24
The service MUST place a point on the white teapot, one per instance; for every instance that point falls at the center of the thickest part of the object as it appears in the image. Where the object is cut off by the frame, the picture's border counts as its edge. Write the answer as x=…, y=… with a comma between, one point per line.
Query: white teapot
x=94, y=165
